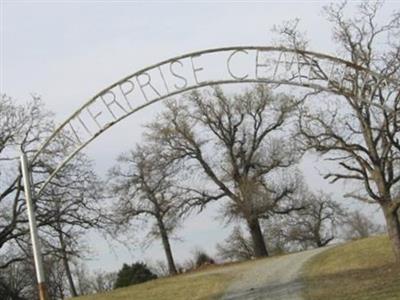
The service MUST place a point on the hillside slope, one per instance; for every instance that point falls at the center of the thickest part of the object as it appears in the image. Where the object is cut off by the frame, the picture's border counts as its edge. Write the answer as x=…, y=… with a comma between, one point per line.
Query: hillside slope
x=269, y=278
x=209, y=283
x=276, y=278
x=359, y=270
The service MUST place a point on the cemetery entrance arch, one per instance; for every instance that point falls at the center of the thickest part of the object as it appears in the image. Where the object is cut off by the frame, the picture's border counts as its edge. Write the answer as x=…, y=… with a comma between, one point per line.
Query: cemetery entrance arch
x=244, y=64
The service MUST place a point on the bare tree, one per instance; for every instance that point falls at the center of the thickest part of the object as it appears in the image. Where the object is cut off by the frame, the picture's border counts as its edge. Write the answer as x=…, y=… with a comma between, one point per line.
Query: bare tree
x=83, y=279
x=236, y=247
x=159, y=268
x=276, y=235
x=17, y=281
x=66, y=208
x=103, y=281
x=143, y=183
x=22, y=128
x=68, y=205
x=71, y=205
x=357, y=226
x=55, y=277
x=235, y=147
x=316, y=225
x=359, y=130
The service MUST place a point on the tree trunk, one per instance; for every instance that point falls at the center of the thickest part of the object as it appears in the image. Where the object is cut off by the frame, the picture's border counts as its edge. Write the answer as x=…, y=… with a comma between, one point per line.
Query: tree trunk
x=167, y=247
x=260, y=250
x=393, y=228
x=66, y=266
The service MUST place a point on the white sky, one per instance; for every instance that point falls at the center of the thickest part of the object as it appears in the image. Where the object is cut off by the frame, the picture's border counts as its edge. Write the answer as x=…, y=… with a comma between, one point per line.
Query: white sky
x=67, y=51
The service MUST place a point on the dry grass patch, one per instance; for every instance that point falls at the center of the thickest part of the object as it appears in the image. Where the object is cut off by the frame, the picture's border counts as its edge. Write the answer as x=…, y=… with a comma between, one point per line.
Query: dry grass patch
x=207, y=286
x=360, y=270
x=208, y=283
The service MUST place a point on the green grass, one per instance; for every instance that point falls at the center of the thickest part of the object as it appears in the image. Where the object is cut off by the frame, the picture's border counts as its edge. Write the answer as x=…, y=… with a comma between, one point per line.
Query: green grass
x=360, y=270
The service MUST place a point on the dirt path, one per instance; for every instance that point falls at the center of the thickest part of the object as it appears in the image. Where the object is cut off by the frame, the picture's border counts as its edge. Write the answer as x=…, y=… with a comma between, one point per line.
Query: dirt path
x=271, y=279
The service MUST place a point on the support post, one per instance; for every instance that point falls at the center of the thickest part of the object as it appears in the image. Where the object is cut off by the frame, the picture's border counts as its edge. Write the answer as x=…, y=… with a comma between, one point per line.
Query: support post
x=37, y=255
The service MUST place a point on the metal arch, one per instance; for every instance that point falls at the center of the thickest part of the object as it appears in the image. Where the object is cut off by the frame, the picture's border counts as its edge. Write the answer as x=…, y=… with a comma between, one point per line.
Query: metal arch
x=205, y=83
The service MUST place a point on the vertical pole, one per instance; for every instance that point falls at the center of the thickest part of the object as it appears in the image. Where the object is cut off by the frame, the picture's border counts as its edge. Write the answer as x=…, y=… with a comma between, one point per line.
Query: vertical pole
x=33, y=229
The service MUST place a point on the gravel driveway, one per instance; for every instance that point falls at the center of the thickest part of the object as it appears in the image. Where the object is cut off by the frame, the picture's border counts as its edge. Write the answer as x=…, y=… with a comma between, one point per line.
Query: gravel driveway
x=271, y=279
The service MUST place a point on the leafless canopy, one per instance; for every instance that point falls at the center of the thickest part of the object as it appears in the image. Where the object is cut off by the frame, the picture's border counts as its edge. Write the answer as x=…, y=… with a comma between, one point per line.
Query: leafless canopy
x=360, y=129
x=237, y=147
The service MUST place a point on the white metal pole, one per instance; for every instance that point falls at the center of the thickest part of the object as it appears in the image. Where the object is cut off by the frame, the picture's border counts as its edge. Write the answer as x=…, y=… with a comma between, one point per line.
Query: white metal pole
x=37, y=255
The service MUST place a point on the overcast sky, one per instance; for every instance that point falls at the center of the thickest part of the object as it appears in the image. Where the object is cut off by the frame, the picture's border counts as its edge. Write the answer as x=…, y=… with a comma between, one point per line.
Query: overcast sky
x=67, y=51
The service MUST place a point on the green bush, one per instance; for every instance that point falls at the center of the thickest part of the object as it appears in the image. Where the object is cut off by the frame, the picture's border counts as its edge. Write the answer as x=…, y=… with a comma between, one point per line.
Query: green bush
x=133, y=274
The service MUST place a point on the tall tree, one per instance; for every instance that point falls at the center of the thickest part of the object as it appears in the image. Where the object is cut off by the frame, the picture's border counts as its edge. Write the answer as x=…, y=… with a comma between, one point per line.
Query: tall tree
x=68, y=204
x=22, y=128
x=143, y=183
x=235, y=247
x=237, y=149
x=359, y=130
x=314, y=226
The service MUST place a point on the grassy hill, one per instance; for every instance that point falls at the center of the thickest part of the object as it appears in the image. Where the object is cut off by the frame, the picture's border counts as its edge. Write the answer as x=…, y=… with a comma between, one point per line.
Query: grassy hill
x=208, y=283
x=179, y=287
x=359, y=270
